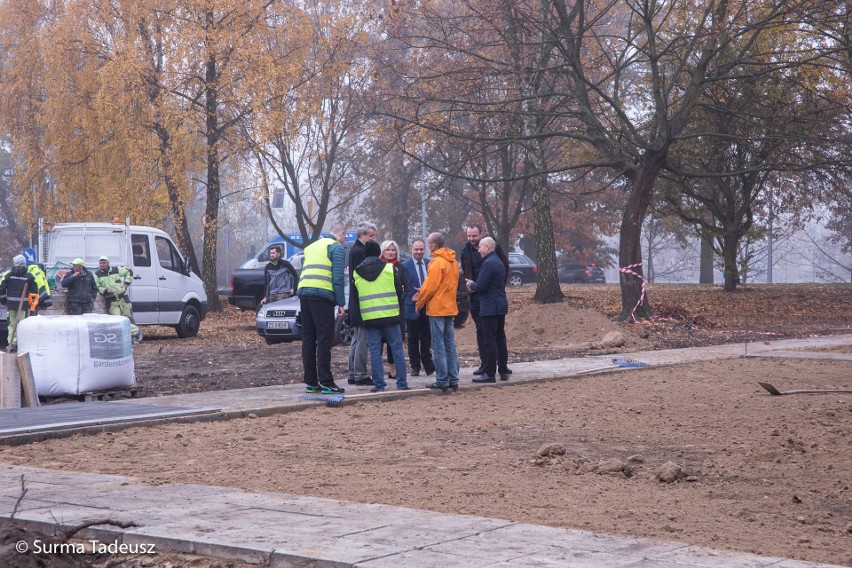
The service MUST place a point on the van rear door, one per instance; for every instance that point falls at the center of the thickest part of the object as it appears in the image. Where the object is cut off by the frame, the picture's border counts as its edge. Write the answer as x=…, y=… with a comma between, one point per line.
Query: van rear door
x=143, y=292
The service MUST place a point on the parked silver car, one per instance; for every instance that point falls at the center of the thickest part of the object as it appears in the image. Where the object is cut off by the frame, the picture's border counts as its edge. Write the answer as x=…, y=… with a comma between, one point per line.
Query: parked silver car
x=281, y=322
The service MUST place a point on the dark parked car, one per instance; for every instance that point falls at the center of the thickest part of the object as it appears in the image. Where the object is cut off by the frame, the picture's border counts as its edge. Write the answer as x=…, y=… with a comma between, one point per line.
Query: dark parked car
x=522, y=269
x=572, y=272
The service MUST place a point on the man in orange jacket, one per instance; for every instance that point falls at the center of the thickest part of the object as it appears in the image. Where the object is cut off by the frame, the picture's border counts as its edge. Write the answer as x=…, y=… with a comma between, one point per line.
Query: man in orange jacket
x=438, y=296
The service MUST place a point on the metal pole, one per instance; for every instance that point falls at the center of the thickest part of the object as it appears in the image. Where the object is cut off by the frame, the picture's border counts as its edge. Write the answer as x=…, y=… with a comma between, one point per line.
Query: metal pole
x=769, y=242
x=423, y=200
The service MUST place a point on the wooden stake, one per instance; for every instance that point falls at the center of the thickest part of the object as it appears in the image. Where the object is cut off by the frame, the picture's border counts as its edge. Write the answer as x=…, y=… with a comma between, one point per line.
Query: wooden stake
x=25, y=367
x=10, y=382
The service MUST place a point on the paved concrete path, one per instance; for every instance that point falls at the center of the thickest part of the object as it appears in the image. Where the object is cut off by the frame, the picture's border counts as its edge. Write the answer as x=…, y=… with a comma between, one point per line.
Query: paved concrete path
x=290, y=530
x=262, y=400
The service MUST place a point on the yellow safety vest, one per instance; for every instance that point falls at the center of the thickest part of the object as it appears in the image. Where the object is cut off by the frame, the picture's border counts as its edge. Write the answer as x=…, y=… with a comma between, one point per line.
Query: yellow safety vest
x=316, y=266
x=41, y=281
x=377, y=298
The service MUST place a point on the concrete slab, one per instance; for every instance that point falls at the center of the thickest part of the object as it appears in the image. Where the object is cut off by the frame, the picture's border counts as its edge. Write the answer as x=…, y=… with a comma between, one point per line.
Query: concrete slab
x=284, y=530
x=78, y=414
x=426, y=558
x=819, y=355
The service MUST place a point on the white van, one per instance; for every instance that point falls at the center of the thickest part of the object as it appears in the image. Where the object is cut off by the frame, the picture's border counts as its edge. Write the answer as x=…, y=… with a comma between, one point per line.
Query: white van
x=164, y=290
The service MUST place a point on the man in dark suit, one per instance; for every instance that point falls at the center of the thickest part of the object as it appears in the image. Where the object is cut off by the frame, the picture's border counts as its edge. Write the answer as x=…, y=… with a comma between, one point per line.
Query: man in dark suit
x=417, y=324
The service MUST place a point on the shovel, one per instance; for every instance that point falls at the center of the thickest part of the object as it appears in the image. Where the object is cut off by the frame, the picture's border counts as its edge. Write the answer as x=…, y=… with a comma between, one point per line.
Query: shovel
x=773, y=391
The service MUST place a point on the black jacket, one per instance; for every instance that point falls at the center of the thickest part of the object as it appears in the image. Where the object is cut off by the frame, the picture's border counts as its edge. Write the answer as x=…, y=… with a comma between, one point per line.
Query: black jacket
x=370, y=269
x=357, y=254
x=471, y=260
x=17, y=284
x=81, y=290
x=276, y=276
x=490, y=285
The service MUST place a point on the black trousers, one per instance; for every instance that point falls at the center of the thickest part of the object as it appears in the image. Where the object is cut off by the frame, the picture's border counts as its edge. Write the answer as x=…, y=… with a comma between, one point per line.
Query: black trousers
x=477, y=321
x=496, y=352
x=317, y=335
x=420, y=343
x=80, y=308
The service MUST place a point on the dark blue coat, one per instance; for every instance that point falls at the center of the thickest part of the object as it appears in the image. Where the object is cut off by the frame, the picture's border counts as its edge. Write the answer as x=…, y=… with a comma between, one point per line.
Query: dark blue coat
x=491, y=286
x=411, y=283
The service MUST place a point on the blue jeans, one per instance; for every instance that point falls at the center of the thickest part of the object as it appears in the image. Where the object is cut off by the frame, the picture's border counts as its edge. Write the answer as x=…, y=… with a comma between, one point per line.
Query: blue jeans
x=393, y=335
x=444, y=350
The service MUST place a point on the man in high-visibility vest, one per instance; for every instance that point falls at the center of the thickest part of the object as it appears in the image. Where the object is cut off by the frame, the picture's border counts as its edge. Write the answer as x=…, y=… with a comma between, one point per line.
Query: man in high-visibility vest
x=321, y=288
x=113, y=284
x=379, y=298
x=44, y=299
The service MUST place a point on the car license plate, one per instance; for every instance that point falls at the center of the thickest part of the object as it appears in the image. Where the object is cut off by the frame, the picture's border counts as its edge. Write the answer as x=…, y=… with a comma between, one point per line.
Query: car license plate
x=278, y=325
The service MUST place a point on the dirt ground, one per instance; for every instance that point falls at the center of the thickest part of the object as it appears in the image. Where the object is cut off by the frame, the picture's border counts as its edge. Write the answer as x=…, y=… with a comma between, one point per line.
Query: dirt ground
x=746, y=471
x=228, y=353
x=760, y=473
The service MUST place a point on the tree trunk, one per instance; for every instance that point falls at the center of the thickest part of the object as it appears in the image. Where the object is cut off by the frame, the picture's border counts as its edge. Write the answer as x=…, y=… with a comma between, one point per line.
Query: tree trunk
x=729, y=255
x=705, y=273
x=547, y=290
x=641, y=185
x=178, y=206
x=211, y=220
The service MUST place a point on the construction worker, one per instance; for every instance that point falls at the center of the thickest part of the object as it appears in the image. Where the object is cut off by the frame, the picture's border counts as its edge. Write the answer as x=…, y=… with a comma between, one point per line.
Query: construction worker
x=16, y=285
x=44, y=299
x=113, y=283
x=81, y=289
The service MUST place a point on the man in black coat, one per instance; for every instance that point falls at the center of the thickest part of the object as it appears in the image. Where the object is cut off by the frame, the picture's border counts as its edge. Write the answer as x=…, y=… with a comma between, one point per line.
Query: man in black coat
x=15, y=286
x=280, y=276
x=359, y=349
x=470, y=263
x=82, y=289
x=493, y=307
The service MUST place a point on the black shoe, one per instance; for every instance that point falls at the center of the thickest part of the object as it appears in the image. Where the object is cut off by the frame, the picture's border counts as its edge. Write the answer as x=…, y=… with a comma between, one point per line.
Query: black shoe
x=332, y=389
x=504, y=376
x=436, y=386
x=479, y=371
x=415, y=372
x=351, y=381
x=454, y=387
x=316, y=389
x=364, y=382
x=484, y=379
x=430, y=371
x=508, y=371
x=377, y=389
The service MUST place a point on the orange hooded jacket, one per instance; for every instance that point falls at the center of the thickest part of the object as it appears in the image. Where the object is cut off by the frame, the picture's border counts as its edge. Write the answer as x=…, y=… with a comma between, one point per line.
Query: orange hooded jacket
x=438, y=292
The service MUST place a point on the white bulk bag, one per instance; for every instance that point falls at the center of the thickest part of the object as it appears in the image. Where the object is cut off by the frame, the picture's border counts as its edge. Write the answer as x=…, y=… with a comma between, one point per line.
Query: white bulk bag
x=78, y=354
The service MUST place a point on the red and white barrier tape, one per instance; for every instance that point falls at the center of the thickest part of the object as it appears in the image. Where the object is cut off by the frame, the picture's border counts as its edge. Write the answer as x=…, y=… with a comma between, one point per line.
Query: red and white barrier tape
x=629, y=270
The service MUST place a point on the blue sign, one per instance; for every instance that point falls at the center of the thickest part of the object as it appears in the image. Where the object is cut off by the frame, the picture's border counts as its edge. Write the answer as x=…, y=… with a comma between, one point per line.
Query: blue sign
x=30, y=255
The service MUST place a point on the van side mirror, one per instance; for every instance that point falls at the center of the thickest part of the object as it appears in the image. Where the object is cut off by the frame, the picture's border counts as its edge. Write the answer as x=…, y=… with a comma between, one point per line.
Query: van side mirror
x=186, y=267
